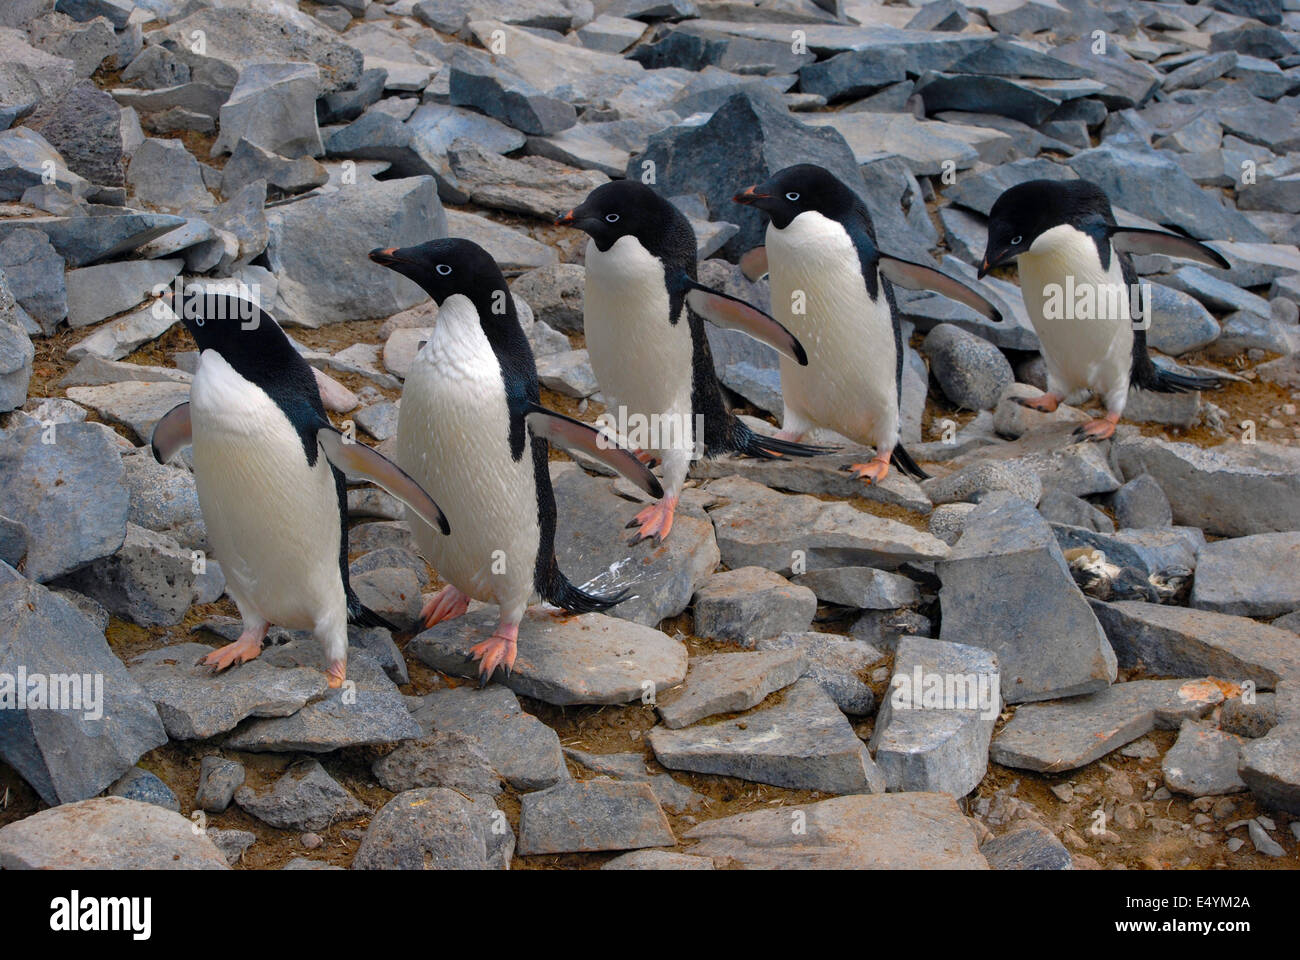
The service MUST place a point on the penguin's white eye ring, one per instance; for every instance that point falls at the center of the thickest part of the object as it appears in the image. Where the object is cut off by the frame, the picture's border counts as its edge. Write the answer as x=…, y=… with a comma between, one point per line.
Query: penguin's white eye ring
x=1016, y=241
x=443, y=269
x=792, y=196
x=611, y=217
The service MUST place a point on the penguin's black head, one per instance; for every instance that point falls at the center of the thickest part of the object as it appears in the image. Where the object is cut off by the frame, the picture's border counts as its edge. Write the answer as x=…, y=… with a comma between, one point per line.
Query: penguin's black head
x=1027, y=210
x=624, y=208
x=799, y=189
x=444, y=268
x=226, y=318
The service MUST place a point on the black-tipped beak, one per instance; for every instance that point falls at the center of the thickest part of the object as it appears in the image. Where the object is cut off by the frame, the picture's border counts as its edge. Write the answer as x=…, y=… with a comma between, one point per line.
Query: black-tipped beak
x=568, y=219
x=386, y=256
x=750, y=196
x=990, y=262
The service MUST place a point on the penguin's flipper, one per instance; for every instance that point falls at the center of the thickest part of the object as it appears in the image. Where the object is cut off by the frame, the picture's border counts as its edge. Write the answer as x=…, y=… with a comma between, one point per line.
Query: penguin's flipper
x=754, y=264
x=583, y=438
x=1137, y=240
x=172, y=432
x=916, y=276
x=356, y=458
x=732, y=314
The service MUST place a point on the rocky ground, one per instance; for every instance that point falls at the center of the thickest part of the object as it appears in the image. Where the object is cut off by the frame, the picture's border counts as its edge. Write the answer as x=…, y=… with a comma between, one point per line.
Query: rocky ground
x=1131, y=606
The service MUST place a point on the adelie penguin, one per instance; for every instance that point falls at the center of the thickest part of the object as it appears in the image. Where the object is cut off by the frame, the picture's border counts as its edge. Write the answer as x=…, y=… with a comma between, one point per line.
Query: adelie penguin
x=832, y=287
x=268, y=468
x=643, y=313
x=1077, y=279
x=471, y=428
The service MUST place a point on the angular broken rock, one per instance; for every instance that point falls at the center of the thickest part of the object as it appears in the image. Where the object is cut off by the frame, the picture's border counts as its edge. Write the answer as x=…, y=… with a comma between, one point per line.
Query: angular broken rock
x=888, y=831
x=563, y=659
x=305, y=797
x=196, y=703
x=434, y=828
x=748, y=603
x=1249, y=576
x=933, y=730
x=1030, y=848
x=1271, y=767
x=837, y=663
x=592, y=815
x=1067, y=734
x=657, y=859
x=1203, y=761
x=1007, y=588
x=728, y=683
x=862, y=587
x=442, y=759
x=803, y=742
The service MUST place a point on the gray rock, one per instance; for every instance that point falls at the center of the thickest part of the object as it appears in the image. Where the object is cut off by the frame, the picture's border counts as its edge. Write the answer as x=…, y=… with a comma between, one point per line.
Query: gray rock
x=219, y=778
x=1179, y=324
x=155, y=67
x=98, y=292
x=1248, y=576
x=971, y=371
x=747, y=603
x=249, y=162
x=1253, y=720
x=137, y=405
x=591, y=816
x=568, y=373
x=139, y=784
x=533, y=185
x=393, y=593
x=1203, y=761
x=106, y=725
x=514, y=251
x=162, y=173
x=305, y=797
x=880, y=832
x=16, y=355
x=434, y=828
x=657, y=860
x=113, y=341
x=802, y=742
x=273, y=105
x=1058, y=507
x=35, y=275
x=1142, y=503
x=201, y=99
x=1029, y=848
x=1262, y=842
x=84, y=126
x=149, y=581
x=69, y=494
x=1215, y=293
x=83, y=240
x=107, y=833
x=610, y=34
x=555, y=294
x=862, y=587
x=1030, y=103
x=1271, y=767
x=728, y=683
x=835, y=662
x=975, y=482
x=26, y=159
x=442, y=759
x=233, y=844
x=494, y=89
x=1068, y=734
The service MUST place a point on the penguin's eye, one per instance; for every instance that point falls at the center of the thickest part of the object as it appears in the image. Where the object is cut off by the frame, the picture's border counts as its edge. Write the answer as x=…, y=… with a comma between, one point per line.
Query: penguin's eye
x=443, y=269
x=611, y=217
x=1016, y=241
x=792, y=196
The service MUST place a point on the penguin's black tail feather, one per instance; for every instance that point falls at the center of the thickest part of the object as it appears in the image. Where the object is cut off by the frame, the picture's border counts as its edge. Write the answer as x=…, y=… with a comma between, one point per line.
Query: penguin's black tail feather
x=1148, y=376
x=906, y=464
x=753, y=444
x=560, y=591
x=362, y=616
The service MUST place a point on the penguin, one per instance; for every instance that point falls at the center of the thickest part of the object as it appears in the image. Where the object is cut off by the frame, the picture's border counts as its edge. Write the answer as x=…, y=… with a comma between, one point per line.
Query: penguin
x=471, y=427
x=1070, y=252
x=643, y=313
x=833, y=287
x=269, y=472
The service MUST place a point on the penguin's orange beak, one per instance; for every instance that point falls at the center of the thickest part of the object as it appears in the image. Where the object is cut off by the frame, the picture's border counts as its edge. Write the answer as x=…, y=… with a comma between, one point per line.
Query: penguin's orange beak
x=386, y=256
x=567, y=220
x=750, y=196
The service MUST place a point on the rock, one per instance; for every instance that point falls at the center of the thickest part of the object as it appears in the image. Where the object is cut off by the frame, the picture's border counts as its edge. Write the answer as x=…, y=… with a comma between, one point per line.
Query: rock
x=1058, y=507
x=163, y=498
x=657, y=860
x=1183, y=642
x=610, y=34
x=1203, y=762
x=971, y=371
x=802, y=742
x=555, y=294
x=975, y=482
x=756, y=526
x=862, y=587
x=1007, y=588
x=305, y=797
x=933, y=730
x=1068, y=734
x=495, y=89
x=69, y=494
x=450, y=759
x=436, y=829
x=218, y=780
x=273, y=106
x=1262, y=842
x=162, y=173
x=1030, y=103
x=1179, y=323
x=728, y=683
x=1142, y=503
x=1231, y=490
x=1215, y=293
x=534, y=185
x=84, y=126
x=568, y=373
x=1271, y=767
x=82, y=240
x=514, y=251
x=318, y=248
x=591, y=816
x=141, y=785
x=35, y=277
x=195, y=703
x=1248, y=576
x=113, y=341
x=16, y=355
x=835, y=662
x=393, y=593
x=150, y=580
x=95, y=293
x=92, y=371
x=747, y=603
x=1254, y=719
x=884, y=831
x=1029, y=848
x=520, y=748
x=107, y=833
x=155, y=67
x=250, y=162
x=137, y=405
x=924, y=145
x=31, y=75
x=590, y=658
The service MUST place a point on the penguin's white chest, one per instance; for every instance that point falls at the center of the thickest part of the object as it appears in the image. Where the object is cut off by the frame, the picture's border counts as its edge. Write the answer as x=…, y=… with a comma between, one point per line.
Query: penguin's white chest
x=642, y=361
x=819, y=293
x=1080, y=311
x=453, y=437
x=272, y=520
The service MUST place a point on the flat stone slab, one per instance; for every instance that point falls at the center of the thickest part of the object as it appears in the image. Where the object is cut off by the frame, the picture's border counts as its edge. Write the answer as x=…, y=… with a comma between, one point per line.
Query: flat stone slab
x=195, y=703
x=107, y=833
x=745, y=604
x=838, y=663
x=818, y=475
x=760, y=527
x=728, y=683
x=305, y=797
x=803, y=742
x=522, y=749
x=1184, y=642
x=933, y=730
x=888, y=831
x=582, y=817
x=563, y=659
x=863, y=588
x=1251, y=576
x=1203, y=761
x=1031, y=848
x=1068, y=734
x=657, y=860
x=1271, y=767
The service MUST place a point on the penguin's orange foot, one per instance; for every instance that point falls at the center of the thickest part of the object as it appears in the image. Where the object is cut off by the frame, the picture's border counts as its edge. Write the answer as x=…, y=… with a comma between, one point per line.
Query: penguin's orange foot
x=497, y=650
x=1047, y=403
x=246, y=648
x=1102, y=428
x=655, y=520
x=337, y=673
x=447, y=604
x=872, y=472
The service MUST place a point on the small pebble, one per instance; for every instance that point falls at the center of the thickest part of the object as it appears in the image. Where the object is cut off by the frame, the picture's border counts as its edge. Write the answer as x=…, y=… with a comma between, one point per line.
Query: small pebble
x=311, y=840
